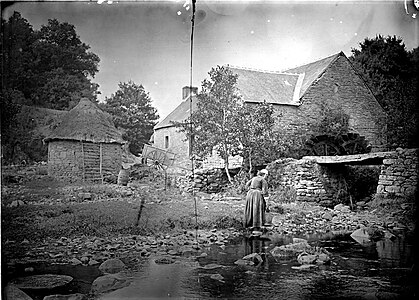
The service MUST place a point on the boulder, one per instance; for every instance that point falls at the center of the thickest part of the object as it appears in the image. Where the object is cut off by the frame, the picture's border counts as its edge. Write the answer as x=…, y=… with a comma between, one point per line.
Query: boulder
x=42, y=282
x=255, y=258
x=76, y=296
x=107, y=283
x=113, y=265
x=12, y=292
x=306, y=259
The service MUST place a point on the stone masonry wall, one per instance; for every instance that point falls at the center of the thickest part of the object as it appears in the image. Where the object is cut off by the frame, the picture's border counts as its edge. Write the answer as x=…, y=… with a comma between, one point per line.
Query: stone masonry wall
x=399, y=173
x=339, y=86
x=307, y=180
x=65, y=160
x=204, y=180
x=177, y=144
x=326, y=184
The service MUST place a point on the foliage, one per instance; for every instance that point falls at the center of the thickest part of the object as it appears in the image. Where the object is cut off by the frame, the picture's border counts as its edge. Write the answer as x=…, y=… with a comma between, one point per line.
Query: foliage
x=215, y=119
x=333, y=122
x=391, y=72
x=224, y=123
x=50, y=67
x=258, y=138
x=133, y=113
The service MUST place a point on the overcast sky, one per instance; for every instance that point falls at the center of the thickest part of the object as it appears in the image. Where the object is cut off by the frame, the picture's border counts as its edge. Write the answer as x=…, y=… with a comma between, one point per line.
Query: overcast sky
x=149, y=41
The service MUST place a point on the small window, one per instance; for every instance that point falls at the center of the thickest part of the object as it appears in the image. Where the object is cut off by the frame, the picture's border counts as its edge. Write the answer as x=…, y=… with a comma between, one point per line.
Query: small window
x=166, y=142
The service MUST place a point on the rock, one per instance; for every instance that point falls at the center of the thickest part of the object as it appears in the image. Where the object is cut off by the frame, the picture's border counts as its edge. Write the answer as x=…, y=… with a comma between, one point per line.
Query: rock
x=93, y=262
x=255, y=258
x=16, y=203
x=76, y=296
x=212, y=266
x=113, y=265
x=12, y=292
x=342, y=208
x=361, y=236
x=327, y=216
x=322, y=258
x=243, y=262
x=276, y=220
x=306, y=259
x=298, y=240
x=164, y=261
x=218, y=277
x=107, y=283
x=296, y=247
x=40, y=282
x=281, y=253
x=303, y=267
x=75, y=261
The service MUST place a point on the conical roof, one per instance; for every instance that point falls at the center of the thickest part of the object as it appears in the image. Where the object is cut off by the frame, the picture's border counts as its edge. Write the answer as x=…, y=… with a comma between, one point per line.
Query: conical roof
x=86, y=122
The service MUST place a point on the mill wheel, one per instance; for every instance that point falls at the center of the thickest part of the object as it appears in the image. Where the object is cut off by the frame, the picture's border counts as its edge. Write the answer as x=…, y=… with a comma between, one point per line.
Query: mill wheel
x=351, y=143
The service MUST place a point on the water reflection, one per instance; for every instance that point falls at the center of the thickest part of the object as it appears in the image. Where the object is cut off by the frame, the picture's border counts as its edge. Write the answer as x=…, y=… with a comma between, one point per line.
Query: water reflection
x=349, y=276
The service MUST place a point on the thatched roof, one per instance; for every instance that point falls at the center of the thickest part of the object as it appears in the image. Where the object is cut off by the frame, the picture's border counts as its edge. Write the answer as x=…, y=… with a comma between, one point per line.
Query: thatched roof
x=86, y=122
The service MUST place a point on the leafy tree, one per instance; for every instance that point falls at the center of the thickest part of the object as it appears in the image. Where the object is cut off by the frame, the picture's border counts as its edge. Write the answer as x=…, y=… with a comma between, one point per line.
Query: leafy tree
x=214, y=120
x=133, y=113
x=257, y=135
x=52, y=67
x=392, y=74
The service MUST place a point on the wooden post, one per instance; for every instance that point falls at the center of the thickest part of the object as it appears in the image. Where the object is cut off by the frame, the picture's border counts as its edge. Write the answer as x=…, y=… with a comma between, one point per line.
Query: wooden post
x=100, y=163
x=82, y=153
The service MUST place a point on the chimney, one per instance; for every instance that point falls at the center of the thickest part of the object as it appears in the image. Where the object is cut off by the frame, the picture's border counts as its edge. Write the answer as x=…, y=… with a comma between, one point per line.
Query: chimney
x=187, y=90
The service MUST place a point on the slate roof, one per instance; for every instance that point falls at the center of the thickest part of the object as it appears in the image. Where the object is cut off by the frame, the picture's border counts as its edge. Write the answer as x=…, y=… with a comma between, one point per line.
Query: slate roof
x=272, y=87
x=313, y=71
x=179, y=114
x=285, y=88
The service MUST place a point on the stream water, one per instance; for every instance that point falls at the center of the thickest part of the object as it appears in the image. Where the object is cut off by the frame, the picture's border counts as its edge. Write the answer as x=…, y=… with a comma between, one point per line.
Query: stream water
x=375, y=270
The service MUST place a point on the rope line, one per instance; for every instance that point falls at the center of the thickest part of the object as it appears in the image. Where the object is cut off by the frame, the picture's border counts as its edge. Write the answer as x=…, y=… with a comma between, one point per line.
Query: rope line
x=190, y=114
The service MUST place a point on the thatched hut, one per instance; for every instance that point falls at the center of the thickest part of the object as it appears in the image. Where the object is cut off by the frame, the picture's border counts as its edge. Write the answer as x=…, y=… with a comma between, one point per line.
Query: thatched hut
x=85, y=145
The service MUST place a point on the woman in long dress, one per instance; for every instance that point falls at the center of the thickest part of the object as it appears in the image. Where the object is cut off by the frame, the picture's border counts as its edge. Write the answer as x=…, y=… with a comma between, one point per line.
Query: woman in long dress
x=254, y=215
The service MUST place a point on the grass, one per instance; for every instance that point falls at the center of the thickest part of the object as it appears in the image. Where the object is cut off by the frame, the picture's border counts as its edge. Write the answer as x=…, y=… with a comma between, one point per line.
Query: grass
x=113, y=210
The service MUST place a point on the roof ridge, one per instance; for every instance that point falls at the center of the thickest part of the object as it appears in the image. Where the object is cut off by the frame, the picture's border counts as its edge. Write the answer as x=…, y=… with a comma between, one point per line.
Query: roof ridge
x=261, y=70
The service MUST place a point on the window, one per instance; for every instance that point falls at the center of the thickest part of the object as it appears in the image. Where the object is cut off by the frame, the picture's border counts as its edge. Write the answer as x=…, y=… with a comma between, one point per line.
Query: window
x=166, y=142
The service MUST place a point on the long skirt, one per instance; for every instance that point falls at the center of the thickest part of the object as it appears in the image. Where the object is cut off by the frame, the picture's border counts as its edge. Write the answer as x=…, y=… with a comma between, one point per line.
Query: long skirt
x=254, y=214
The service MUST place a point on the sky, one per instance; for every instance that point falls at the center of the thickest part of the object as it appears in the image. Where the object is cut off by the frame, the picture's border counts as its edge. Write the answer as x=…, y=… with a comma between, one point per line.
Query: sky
x=149, y=42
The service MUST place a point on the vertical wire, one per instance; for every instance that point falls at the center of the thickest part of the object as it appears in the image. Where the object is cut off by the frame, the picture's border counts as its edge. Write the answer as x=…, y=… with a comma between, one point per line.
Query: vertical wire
x=191, y=123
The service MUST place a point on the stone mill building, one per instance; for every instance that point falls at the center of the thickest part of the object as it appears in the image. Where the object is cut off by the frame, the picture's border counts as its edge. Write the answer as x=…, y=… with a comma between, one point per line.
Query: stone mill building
x=85, y=145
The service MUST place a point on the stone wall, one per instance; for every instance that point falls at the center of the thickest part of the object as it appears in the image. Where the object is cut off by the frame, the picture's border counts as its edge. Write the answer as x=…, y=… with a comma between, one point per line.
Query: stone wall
x=174, y=141
x=327, y=185
x=67, y=160
x=204, y=180
x=339, y=86
x=399, y=173
x=305, y=180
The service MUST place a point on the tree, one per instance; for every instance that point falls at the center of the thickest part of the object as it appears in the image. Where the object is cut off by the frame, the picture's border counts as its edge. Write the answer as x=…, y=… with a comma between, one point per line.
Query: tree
x=133, y=113
x=214, y=121
x=52, y=67
x=391, y=73
x=257, y=135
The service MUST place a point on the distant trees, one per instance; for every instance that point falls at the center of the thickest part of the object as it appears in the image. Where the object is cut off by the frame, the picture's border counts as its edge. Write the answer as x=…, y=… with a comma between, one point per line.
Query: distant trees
x=51, y=67
x=132, y=113
x=392, y=74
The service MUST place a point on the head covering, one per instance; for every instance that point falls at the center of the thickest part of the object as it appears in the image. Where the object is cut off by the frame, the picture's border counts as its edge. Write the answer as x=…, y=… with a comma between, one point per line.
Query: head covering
x=263, y=172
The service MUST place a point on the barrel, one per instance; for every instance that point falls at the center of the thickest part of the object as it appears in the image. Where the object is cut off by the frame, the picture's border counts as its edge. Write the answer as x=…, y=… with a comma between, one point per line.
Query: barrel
x=123, y=177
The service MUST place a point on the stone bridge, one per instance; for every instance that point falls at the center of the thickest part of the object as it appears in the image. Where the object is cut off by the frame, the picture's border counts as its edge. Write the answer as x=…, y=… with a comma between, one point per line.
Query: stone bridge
x=321, y=178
